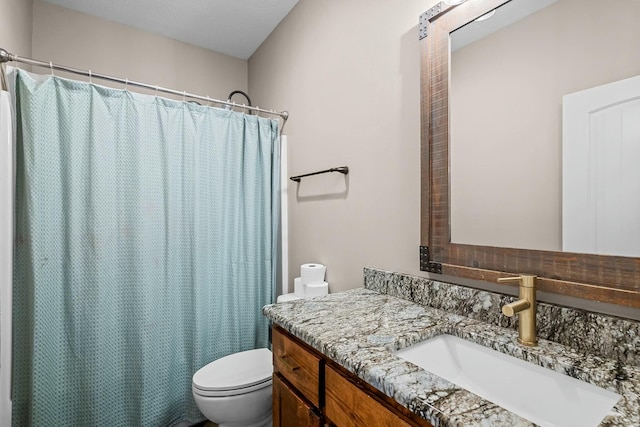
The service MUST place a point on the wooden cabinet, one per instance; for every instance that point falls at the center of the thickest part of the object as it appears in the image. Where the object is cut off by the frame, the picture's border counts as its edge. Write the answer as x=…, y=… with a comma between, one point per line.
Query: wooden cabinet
x=310, y=390
x=290, y=410
x=297, y=363
x=349, y=406
x=297, y=393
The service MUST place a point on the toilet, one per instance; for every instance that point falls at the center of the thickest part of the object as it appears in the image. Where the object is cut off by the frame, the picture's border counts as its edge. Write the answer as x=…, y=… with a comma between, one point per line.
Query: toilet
x=235, y=390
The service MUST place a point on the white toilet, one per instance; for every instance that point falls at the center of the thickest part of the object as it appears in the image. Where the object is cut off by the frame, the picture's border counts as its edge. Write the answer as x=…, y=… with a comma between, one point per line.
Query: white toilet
x=235, y=390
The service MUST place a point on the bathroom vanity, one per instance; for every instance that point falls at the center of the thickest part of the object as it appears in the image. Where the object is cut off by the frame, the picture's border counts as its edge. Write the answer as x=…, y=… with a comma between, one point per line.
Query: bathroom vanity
x=309, y=389
x=336, y=357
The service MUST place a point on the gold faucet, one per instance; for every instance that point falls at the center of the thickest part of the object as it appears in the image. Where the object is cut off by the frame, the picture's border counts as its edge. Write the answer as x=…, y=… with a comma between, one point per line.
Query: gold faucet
x=525, y=307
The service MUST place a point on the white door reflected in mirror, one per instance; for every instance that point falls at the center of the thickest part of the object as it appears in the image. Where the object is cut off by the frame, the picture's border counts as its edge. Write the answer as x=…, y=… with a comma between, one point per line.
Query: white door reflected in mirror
x=601, y=170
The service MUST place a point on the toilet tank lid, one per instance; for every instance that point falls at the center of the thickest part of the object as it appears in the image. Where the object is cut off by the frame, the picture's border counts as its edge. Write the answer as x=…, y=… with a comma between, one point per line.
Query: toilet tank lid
x=235, y=371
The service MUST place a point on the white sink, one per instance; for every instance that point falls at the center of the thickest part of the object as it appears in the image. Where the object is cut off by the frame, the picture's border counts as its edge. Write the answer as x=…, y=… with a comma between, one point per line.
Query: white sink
x=545, y=397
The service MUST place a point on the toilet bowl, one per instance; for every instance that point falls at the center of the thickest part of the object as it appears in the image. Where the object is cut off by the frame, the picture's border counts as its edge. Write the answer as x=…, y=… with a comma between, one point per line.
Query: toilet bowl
x=235, y=390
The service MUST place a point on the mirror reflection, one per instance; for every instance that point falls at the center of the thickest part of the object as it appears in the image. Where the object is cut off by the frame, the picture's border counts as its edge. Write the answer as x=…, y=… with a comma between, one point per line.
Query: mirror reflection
x=545, y=128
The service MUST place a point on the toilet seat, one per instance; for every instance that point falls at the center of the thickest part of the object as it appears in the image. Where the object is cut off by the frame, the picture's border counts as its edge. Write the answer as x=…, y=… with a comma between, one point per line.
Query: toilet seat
x=235, y=374
x=232, y=392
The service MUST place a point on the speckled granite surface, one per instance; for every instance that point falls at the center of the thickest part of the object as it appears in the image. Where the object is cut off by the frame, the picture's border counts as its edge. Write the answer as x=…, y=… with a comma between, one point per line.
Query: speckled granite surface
x=360, y=329
x=606, y=336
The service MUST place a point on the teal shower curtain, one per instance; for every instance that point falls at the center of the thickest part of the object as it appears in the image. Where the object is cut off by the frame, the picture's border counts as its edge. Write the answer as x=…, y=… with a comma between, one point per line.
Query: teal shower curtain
x=145, y=249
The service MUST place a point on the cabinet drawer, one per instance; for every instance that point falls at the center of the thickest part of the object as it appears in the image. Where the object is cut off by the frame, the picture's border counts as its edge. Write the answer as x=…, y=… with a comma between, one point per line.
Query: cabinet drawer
x=298, y=365
x=348, y=406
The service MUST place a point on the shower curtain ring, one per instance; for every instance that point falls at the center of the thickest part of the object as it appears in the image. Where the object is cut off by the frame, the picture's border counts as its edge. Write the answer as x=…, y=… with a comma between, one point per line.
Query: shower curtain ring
x=51, y=67
x=126, y=83
x=156, y=90
x=184, y=96
x=90, y=81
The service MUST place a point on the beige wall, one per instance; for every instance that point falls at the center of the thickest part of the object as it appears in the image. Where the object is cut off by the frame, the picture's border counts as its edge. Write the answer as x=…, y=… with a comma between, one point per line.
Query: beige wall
x=506, y=117
x=79, y=40
x=16, y=26
x=348, y=72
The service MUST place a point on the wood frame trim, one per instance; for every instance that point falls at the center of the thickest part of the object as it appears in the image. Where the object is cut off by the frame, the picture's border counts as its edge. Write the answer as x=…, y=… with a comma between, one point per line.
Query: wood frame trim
x=610, y=279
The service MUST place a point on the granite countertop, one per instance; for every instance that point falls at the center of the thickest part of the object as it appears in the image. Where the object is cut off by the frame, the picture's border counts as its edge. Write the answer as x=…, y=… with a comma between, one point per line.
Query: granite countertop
x=360, y=329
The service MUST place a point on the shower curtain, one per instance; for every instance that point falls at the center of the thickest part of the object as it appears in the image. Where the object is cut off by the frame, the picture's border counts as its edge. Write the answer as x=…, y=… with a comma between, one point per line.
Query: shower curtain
x=145, y=249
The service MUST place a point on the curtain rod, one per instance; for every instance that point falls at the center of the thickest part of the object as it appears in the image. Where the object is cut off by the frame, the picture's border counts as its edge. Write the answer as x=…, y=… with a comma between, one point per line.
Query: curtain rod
x=9, y=57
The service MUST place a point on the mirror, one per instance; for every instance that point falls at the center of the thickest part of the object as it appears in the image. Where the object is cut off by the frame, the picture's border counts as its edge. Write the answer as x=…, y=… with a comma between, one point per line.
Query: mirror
x=513, y=77
x=494, y=93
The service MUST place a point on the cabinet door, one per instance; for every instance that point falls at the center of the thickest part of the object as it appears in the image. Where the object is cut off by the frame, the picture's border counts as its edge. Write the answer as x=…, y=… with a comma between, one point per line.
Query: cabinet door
x=348, y=406
x=289, y=410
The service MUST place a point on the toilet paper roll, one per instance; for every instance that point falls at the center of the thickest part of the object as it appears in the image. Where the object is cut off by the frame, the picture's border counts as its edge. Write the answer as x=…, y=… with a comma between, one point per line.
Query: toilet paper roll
x=312, y=273
x=316, y=290
x=298, y=287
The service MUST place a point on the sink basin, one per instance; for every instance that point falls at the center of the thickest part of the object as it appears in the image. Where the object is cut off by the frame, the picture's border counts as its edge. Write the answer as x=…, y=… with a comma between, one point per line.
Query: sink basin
x=542, y=396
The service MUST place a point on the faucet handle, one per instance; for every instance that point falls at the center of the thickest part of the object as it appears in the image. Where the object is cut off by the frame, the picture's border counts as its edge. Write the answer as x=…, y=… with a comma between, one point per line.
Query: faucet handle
x=515, y=307
x=526, y=280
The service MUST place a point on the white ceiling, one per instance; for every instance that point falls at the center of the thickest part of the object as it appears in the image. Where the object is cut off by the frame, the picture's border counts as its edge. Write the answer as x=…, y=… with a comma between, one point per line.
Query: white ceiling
x=233, y=27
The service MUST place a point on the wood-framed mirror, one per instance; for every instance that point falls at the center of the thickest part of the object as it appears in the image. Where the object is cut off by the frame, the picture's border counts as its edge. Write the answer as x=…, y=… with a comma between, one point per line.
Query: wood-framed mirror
x=590, y=274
